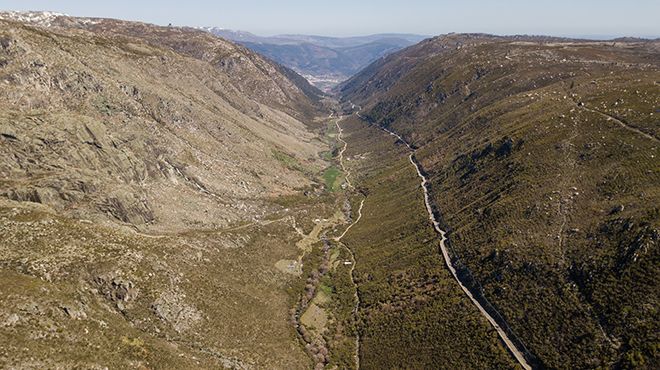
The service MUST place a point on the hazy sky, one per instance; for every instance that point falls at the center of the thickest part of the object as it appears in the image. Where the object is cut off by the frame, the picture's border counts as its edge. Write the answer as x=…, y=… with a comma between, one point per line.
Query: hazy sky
x=356, y=17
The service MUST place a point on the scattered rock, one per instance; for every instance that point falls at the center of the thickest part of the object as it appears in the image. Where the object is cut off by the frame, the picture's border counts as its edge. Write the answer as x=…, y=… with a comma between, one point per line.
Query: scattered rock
x=12, y=320
x=116, y=289
x=617, y=209
x=73, y=312
x=172, y=308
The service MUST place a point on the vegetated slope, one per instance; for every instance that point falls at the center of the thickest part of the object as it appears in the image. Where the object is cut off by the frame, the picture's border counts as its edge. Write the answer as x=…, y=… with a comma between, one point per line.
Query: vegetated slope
x=362, y=55
x=309, y=59
x=412, y=314
x=544, y=160
x=325, y=61
x=105, y=137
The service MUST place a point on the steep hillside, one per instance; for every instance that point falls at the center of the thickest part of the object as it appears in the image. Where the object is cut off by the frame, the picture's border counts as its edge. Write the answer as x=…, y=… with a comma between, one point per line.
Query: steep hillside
x=543, y=160
x=263, y=80
x=154, y=183
x=121, y=127
x=310, y=59
x=411, y=314
x=362, y=55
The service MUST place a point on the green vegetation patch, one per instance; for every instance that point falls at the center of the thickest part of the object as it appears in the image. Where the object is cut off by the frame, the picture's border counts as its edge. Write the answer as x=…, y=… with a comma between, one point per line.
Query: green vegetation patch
x=325, y=289
x=288, y=160
x=332, y=178
x=328, y=155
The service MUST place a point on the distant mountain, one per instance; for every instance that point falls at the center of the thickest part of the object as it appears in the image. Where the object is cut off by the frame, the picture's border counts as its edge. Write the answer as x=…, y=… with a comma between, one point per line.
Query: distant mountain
x=324, y=61
x=343, y=42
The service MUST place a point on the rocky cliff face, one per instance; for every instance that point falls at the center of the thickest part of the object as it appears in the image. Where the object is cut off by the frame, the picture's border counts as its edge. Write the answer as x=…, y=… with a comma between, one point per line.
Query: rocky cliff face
x=543, y=156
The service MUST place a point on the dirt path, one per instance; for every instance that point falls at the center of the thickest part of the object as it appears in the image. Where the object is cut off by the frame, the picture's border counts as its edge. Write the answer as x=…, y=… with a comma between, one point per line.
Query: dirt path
x=356, y=307
x=445, y=254
x=341, y=153
x=356, y=295
x=135, y=231
x=338, y=239
x=621, y=123
x=257, y=223
x=294, y=267
x=310, y=318
x=355, y=222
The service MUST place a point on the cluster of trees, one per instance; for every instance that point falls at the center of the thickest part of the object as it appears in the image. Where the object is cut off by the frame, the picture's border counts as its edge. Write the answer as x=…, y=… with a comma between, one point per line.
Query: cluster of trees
x=315, y=344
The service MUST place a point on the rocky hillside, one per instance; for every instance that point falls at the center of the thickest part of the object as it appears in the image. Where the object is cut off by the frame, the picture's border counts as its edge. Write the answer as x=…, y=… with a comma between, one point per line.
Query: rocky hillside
x=264, y=81
x=151, y=181
x=543, y=158
x=120, y=126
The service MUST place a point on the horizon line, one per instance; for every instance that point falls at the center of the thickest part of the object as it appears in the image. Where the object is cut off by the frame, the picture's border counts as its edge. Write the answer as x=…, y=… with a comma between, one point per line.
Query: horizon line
x=586, y=36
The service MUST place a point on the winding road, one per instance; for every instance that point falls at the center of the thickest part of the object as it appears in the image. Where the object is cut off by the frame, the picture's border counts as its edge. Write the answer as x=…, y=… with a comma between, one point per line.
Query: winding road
x=518, y=354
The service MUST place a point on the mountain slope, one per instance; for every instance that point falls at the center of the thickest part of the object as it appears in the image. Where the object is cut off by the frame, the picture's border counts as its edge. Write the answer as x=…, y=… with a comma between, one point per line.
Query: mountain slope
x=150, y=189
x=266, y=83
x=323, y=41
x=152, y=117
x=543, y=160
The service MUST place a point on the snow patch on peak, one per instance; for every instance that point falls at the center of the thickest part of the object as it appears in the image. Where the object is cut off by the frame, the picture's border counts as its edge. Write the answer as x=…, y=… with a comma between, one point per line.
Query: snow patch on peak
x=211, y=29
x=44, y=19
x=40, y=18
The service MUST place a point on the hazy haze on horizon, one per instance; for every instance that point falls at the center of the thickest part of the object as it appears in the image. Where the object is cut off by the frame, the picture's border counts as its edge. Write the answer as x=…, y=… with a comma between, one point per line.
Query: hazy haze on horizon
x=589, y=18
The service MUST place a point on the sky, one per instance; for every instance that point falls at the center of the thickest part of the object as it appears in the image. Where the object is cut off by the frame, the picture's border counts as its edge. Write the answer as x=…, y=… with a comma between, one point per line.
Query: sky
x=587, y=18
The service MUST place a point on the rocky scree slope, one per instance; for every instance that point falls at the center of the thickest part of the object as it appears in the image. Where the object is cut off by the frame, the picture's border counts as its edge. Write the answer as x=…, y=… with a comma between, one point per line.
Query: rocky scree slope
x=543, y=159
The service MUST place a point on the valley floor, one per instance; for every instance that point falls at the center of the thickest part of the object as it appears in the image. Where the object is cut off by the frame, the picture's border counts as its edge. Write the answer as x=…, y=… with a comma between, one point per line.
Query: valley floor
x=408, y=303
